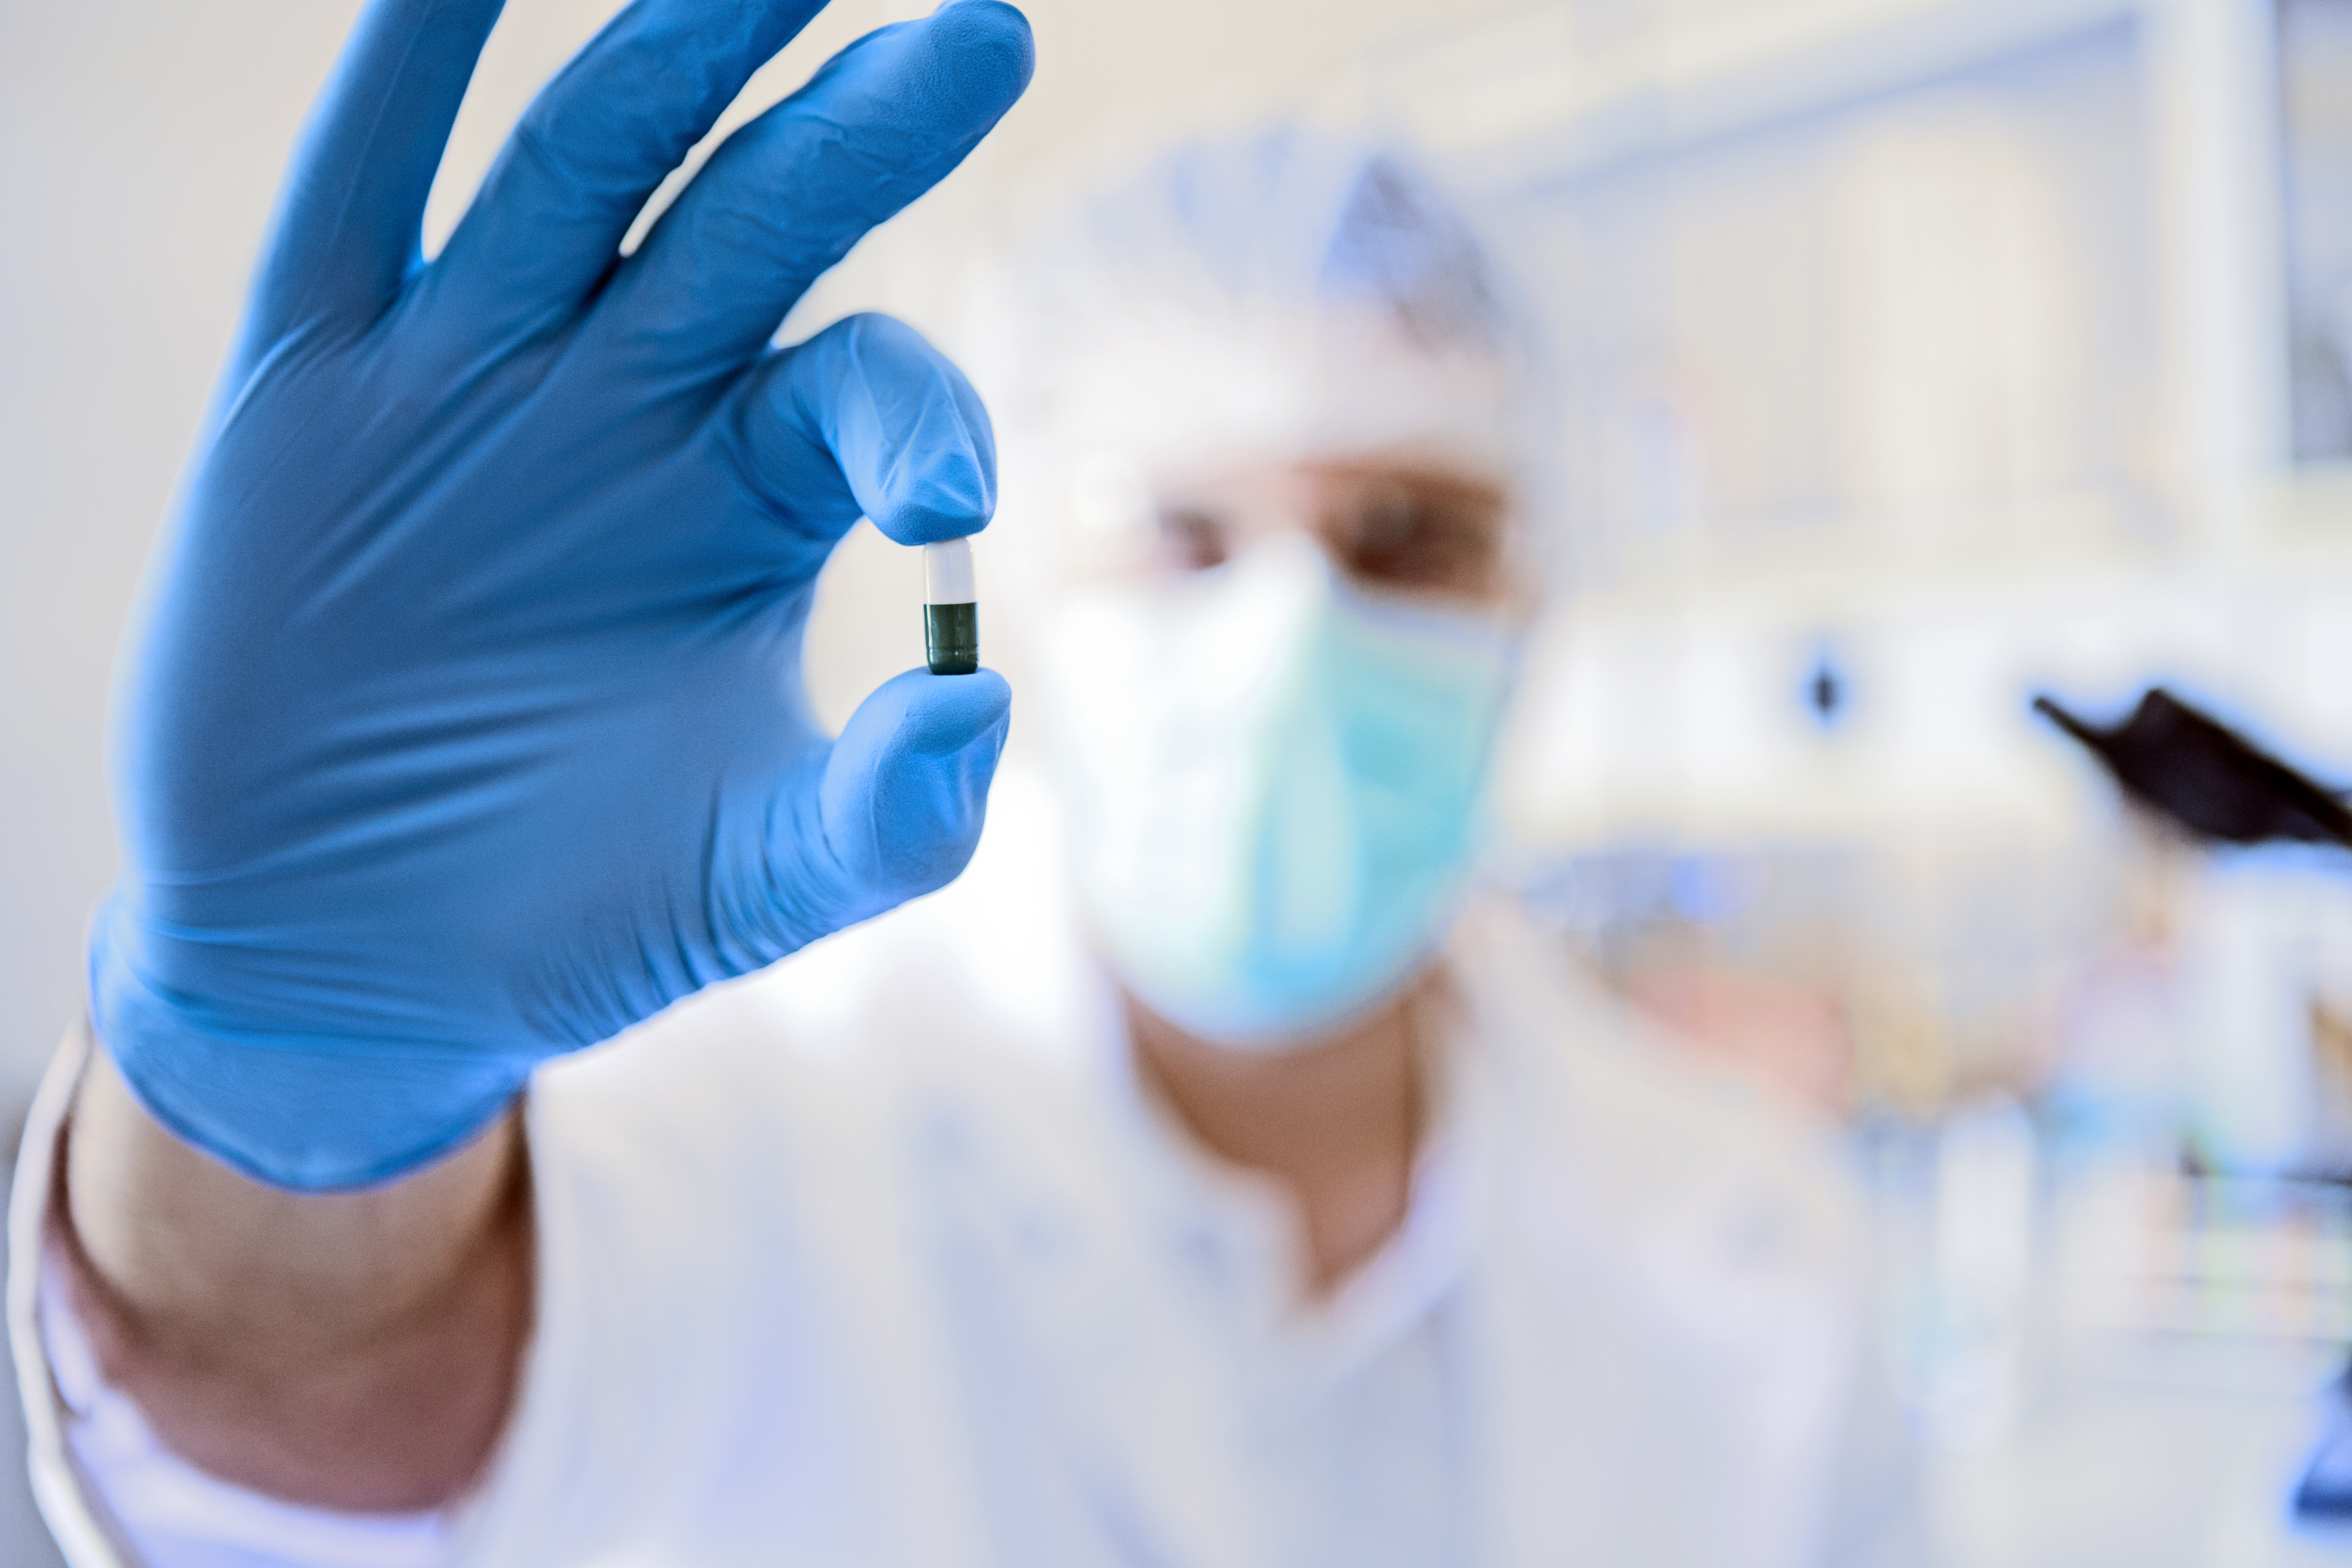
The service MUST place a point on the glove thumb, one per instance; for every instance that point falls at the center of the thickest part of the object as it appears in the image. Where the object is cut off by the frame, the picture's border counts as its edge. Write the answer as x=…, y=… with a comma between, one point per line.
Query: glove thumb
x=905, y=791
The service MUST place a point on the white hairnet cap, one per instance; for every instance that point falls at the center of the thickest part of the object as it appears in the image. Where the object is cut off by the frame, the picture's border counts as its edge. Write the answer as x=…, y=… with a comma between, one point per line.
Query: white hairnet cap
x=1270, y=296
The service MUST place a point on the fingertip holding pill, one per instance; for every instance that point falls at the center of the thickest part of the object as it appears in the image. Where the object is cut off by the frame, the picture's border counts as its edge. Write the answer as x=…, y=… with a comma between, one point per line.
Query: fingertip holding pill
x=950, y=608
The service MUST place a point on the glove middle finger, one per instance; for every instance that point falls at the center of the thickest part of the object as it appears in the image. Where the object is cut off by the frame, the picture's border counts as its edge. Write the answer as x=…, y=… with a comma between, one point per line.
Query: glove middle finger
x=789, y=195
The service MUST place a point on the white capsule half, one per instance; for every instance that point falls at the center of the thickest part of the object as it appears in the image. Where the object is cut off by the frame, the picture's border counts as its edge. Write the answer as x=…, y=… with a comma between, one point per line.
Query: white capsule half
x=947, y=572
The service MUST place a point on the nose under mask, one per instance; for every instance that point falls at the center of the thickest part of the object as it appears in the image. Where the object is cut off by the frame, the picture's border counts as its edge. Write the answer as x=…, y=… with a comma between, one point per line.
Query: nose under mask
x=1273, y=783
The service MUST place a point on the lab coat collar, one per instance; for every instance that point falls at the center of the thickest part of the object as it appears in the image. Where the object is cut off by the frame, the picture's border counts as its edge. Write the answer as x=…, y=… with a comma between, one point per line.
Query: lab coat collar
x=1243, y=1231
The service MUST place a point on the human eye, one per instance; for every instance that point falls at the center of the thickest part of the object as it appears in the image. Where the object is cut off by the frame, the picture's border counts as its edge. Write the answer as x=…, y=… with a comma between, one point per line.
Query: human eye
x=1418, y=533
x=1193, y=538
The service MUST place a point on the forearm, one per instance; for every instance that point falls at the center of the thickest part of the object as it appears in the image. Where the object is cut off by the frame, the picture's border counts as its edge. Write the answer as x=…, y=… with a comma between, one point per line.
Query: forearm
x=354, y=1350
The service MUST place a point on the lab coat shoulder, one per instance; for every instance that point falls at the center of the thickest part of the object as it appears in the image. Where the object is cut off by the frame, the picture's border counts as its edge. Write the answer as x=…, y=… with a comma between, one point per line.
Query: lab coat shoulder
x=1626, y=1136
x=1711, y=1240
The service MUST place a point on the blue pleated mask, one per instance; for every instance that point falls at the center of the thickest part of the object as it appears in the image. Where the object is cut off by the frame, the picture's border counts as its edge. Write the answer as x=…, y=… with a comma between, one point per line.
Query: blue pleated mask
x=1274, y=785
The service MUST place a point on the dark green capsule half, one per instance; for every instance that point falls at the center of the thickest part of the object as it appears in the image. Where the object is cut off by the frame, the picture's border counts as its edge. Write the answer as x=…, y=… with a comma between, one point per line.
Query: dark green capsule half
x=952, y=637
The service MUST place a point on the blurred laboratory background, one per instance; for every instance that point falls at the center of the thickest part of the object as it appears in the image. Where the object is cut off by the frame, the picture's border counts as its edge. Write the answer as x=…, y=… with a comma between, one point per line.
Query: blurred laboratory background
x=1915, y=358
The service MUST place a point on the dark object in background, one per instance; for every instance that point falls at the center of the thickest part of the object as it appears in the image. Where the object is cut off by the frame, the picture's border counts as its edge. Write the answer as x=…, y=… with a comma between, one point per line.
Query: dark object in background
x=2207, y=777
x=1825, y=692
x=2325, y=1492
x=2212, y=780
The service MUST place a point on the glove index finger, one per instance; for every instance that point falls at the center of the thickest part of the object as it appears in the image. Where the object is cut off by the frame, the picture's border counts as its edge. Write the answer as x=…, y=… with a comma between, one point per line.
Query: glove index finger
x=786, y=197
x=547, y=224
x=869, y=413
x=351, y=213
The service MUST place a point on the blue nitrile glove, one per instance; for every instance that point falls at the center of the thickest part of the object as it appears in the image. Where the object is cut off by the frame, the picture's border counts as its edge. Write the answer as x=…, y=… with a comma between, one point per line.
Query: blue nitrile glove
x=466, y=725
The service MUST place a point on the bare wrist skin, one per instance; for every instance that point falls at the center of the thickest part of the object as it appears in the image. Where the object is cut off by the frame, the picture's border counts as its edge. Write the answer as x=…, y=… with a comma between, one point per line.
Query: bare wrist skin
x=349, y=1351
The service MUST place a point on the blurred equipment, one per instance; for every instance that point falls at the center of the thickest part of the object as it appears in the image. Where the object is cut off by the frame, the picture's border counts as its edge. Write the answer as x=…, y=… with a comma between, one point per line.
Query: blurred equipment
x=2325, y=1489
x=2259, y=958
x=2207, y=777
x=2211, y=782
x=2314, y=60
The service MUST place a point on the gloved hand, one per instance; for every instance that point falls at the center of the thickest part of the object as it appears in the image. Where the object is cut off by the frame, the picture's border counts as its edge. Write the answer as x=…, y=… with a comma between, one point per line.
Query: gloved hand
x=466, y=725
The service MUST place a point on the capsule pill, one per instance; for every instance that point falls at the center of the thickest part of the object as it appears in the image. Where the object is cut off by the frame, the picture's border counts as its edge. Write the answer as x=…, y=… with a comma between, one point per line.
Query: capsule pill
x=950, y=608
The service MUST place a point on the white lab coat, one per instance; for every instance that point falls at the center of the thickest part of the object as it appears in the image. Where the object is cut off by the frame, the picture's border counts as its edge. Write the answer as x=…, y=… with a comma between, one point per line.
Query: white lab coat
x=880, y=1260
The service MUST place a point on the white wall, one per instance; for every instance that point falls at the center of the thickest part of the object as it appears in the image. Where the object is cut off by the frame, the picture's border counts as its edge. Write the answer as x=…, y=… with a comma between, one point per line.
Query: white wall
x=138, y=143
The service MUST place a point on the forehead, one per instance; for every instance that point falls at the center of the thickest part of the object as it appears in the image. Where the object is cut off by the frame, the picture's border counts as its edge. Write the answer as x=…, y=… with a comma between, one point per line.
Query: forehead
x=1190, y=397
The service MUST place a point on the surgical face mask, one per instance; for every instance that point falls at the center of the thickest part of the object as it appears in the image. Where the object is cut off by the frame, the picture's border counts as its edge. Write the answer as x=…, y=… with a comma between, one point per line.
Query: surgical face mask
x=1273, y=784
